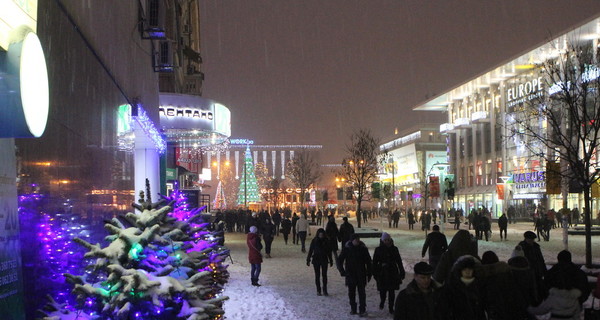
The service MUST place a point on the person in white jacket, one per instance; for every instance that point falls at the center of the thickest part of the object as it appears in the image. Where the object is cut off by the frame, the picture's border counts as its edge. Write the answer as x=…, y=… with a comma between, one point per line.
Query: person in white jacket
x=302, y=228
x=562, y=304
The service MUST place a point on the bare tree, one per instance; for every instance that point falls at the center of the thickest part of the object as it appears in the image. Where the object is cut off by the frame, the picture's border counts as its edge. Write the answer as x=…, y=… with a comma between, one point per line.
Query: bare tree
x=360, y=165
x=303, y=172
x=563, y=126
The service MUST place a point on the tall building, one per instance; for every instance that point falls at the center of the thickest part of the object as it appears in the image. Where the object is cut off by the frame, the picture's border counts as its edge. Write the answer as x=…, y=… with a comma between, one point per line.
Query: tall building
x=494, y=169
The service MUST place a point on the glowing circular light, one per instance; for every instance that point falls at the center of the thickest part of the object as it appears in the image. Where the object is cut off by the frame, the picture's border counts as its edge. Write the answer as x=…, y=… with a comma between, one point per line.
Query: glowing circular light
x=34, y=85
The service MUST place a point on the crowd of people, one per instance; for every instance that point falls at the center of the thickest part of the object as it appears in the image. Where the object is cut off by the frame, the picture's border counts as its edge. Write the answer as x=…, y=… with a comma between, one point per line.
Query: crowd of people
x=456, y=283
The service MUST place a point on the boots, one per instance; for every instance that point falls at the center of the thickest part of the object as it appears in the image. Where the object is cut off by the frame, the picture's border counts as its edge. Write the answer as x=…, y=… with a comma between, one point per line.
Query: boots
x=255, y=282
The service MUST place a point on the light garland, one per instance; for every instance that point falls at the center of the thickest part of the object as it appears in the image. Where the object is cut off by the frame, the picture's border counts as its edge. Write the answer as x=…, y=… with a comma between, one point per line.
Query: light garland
x=141, y=117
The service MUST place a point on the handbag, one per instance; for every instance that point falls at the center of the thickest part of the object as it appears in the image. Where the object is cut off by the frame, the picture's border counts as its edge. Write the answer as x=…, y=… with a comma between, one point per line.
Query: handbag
x=591, y=313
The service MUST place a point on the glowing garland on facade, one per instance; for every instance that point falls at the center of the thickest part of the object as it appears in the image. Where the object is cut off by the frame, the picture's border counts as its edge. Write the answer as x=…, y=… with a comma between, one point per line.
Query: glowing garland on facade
x=148, y=126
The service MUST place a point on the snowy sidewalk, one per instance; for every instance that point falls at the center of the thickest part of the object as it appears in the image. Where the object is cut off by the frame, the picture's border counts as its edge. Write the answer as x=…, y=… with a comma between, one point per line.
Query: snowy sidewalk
x=288, y=288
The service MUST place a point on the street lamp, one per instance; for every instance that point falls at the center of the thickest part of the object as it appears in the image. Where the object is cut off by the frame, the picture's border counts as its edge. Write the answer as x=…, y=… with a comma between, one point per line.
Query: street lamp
x=504, y=183
x=442, y=167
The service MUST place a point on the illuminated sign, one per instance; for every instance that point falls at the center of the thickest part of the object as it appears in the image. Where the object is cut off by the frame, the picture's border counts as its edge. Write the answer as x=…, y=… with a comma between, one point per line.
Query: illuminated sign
x=171, y=111
x=528, y=180
x=241, y=141
x=446, y=127
x=522, y=92
x=24, y=94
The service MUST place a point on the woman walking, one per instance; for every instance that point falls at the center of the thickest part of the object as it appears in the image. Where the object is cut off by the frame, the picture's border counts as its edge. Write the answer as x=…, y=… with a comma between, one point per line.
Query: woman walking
x=320, y=254
x=254, y=255
x=388, y=270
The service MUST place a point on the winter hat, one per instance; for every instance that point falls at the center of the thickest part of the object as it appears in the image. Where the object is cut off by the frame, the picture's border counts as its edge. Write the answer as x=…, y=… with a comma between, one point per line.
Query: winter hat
x=436, y=227
x=529, y=235
x=564, y=256
x=518, y=252
x=354, y=236
x=385, y=235
x=423, y=268
x=345, y=219
x=253, y=229
x=489, y=257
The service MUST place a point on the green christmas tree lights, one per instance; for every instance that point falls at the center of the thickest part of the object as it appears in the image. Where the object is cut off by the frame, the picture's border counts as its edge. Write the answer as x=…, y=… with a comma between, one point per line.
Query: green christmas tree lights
x=248, y=185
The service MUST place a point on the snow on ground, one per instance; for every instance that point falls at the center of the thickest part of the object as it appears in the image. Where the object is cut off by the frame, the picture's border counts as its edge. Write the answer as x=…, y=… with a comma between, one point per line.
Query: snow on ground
x=288, y=288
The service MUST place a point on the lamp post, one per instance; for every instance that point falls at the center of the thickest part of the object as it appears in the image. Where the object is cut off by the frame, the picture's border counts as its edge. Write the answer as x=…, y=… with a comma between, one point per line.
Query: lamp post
x=504, y=185
x=442, y=167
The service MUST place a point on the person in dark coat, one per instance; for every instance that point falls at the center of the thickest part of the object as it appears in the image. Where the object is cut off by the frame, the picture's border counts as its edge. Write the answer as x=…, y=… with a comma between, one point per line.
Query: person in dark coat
x=565, y=274
x=320, y=254
x=463, y=291
x=485, y=227
x=411, y=219
x=463, y=243
x=426, y=221
x=534, y=255
x=268, y=233
x=276, y=221
x=332, y=232
x=254, y=256
x=421, y=298
x=524, y=277
x=354, y=263
x=503, y=226
x=346, y=231
x=388, y=270
x=503, y=299
x=286, y=228
x=295, y=219
x=437, y=244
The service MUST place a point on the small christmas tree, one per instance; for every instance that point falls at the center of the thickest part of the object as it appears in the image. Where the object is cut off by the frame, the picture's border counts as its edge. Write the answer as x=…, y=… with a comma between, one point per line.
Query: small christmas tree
x=220, y=203
x=159, y=264
x=248, y=185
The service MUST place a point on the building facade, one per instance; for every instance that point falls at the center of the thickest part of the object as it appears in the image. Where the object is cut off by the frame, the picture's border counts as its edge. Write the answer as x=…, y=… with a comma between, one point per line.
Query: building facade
x=494, y=168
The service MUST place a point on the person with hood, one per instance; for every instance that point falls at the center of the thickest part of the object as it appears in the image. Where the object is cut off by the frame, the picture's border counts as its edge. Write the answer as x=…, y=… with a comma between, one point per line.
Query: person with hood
x=565, y=274
x=295, y=219
x=354, y=263
x=524, y=277
x=410, y=217
x=388, y=270
x=254, y=256
x=463, y=243
x=276, y=221
x=502, y=297
x=421, y=298
x=286, y=228
x=463, y=292
x=302, y=227
x=437, y=244
x=534, y=255
x=564, y=298
x=346, y=231
x=332, y=232
x=320, y=254
x=268, y=233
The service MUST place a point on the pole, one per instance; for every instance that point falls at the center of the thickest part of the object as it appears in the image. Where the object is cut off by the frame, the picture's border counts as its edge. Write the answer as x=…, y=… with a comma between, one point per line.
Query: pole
x=245, y=186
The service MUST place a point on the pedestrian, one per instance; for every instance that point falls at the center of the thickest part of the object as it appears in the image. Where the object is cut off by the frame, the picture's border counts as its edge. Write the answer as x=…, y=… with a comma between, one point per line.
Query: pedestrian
x=463, y=243
x=457, y=217
x=354, y=263
x=346, y=231
x=426, y=221
x=254, y=256
x=286, y=228
x=485, y=226
x=319, y=217
x=320, y=254
x=533, y=253
x=565, y=274
x=463, y=291
x=437, y=244
x=390, y=218
x=276, y=221
x=396, y=217
x=502, y=297
x=268, y=233
x=503, y=226
x=421, y=298
x=388, y=270
x=524, y=277
x=295, y=219
x=411, y=220
x=332, y=232
x=302, y=228
x=253, y=221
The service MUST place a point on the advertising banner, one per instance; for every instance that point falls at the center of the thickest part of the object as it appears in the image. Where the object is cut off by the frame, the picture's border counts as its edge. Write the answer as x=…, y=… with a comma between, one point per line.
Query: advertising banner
x=189, y=159
x=11, y=278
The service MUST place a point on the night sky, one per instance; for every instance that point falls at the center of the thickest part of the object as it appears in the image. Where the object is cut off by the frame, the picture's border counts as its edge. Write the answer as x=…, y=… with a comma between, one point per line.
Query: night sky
x=313, y=71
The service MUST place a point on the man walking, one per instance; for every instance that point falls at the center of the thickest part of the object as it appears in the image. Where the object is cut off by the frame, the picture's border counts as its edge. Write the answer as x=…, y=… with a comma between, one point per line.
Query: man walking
x=420, y=299
x=437, y=244
x=354, y=263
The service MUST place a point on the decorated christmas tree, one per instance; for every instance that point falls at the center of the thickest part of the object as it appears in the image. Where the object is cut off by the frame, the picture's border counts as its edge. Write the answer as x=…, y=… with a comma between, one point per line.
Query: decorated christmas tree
x=248, y=185
x=162, y=262
x=220, y=202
